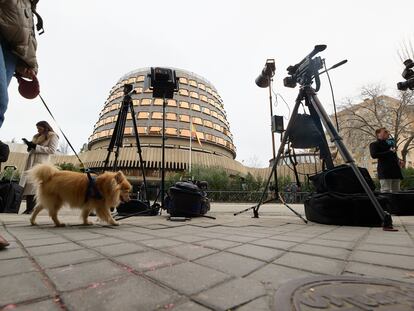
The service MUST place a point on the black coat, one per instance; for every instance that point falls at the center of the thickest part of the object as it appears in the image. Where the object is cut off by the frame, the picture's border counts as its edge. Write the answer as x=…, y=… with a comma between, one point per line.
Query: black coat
x=388, y=166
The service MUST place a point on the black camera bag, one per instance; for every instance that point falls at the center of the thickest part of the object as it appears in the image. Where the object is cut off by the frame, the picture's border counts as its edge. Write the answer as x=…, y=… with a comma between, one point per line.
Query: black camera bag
x=341, y=209
x=186, y=199
x=341, y=179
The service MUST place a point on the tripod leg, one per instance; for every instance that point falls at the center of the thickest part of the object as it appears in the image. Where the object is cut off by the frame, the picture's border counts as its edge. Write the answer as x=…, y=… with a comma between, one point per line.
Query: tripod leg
x=139, y=150
x=120, y=135
x=314, y=101
x=278, y=156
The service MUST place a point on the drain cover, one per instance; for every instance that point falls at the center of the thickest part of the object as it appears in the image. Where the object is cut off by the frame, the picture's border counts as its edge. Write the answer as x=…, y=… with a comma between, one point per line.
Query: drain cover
x=344, y=293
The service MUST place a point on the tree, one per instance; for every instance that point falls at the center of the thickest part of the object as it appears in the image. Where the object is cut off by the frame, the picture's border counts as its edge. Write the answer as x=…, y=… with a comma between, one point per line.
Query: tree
x=84, y=148
x=406, y=50
x=358, y=122
x=63, y=147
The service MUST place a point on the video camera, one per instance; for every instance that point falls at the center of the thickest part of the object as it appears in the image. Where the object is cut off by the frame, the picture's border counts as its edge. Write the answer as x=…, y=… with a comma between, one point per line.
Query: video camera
x=408, y=75
x=307, y=69
x=162, y=81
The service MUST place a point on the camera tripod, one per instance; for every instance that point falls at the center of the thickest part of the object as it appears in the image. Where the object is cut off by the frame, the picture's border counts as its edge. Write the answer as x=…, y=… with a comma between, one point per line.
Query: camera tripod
x=319, y=115
x=117, y=142
x=304, y=73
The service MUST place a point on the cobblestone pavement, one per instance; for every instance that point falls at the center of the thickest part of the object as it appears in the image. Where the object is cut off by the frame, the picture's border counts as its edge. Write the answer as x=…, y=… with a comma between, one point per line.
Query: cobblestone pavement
x=149, y=263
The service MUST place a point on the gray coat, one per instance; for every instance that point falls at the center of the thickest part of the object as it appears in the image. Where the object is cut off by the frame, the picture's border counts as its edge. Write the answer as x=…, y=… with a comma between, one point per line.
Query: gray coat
x=17, y=29
x=37, y=156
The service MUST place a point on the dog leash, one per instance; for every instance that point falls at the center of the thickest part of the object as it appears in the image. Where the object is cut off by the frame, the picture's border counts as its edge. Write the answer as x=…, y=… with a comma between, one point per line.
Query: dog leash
x=60, y=129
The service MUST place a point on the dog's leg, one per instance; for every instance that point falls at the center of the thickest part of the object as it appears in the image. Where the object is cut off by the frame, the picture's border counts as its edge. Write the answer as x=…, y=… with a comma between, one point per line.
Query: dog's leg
x=53, y=214
x=105, y=215
x=85, y=213
x=36, y=211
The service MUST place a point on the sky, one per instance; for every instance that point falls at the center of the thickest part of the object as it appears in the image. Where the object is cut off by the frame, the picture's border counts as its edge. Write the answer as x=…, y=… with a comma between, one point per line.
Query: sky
x=88, y=45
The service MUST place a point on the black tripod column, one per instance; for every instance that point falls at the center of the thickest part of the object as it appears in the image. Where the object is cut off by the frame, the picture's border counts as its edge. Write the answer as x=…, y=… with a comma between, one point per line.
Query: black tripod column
x=273, y=134
x=164, y=104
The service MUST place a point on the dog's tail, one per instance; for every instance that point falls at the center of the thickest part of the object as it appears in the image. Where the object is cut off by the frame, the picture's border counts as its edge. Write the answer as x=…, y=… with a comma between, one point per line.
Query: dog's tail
x=42, y=173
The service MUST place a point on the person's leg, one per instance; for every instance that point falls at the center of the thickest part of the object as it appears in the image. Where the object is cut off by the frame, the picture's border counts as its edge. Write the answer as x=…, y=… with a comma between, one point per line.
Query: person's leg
x=385, y=185
x=7, y=67
x=30, y=204
x=395, y=186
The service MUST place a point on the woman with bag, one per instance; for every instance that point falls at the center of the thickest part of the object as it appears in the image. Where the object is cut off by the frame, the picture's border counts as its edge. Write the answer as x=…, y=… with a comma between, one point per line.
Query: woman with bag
x=43, y=144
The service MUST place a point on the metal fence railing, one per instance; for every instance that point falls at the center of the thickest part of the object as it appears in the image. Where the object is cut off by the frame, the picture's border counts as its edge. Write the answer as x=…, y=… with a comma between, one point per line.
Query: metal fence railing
x=253, y=196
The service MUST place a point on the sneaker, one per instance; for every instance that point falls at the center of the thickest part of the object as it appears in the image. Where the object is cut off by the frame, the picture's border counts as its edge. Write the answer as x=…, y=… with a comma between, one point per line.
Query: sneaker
x=3, y=242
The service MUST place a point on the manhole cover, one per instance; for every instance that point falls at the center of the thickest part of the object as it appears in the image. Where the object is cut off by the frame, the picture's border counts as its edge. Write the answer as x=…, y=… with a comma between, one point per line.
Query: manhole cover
x=344, y=293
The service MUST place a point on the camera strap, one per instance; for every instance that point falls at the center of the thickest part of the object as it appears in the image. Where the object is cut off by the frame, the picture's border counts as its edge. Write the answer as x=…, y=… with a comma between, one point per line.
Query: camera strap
x=60, y=129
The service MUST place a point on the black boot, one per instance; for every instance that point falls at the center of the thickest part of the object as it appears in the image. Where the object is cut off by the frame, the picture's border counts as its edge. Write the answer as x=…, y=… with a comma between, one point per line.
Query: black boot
x=30, y=204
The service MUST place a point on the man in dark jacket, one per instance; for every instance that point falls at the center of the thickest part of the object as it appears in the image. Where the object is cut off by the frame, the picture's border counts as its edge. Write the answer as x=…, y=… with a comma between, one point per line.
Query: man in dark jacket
x=17, y=49
x=388, y=167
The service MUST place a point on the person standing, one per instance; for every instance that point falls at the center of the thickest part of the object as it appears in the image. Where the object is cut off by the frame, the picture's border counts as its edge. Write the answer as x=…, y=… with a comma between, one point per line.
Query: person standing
x=17, y=44
x=17, y=49
x=43, y=144
x=389, y=165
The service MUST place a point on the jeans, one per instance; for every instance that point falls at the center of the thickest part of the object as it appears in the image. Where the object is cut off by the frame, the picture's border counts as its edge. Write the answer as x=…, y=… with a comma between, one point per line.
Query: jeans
x=390, y=185
x=7, y=67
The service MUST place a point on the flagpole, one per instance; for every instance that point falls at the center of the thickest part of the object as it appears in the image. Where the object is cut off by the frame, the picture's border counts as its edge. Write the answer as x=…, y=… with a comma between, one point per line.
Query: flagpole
x=191, y=139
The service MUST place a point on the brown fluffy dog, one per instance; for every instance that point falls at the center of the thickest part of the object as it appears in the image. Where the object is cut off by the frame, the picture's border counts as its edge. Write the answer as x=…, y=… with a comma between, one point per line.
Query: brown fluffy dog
x=56, y=188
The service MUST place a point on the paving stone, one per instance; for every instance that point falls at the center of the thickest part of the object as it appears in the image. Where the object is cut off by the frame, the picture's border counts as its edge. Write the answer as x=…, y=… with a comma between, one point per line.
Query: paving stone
x=337, y=236
x=397, y=239
x=65, y=258
x=239, y=238
x=231, y=294
x=380, y=271
x=132, y=293
x=8, y=253
x=45, y=305
x=203, y=224
x=120, y=249
x=258, y=252
x=332, y=252
x=101, y=241
x=189, y=306
x=190, y=251
x=285, y=245
x=56, y=248
x=16, y=265
x=259, y=304
x=231, y=263
x=127, y=235
x=188, y=278
x=160, y=243
x=399, y=261
x=149, y=260
x=289, y=238
x=82, y=235
x=333, y=243
x=311, y=263
x=35, y=236
x=277, y=275
x=189, y=238
x=218, y=244
x=22, y=287
x=387, y=249
x=84, y=274
x=40, y=242
x=212, y=235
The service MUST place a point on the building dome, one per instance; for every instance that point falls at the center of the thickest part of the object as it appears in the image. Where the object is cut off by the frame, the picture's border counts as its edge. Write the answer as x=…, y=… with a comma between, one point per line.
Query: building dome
x=197, y=101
